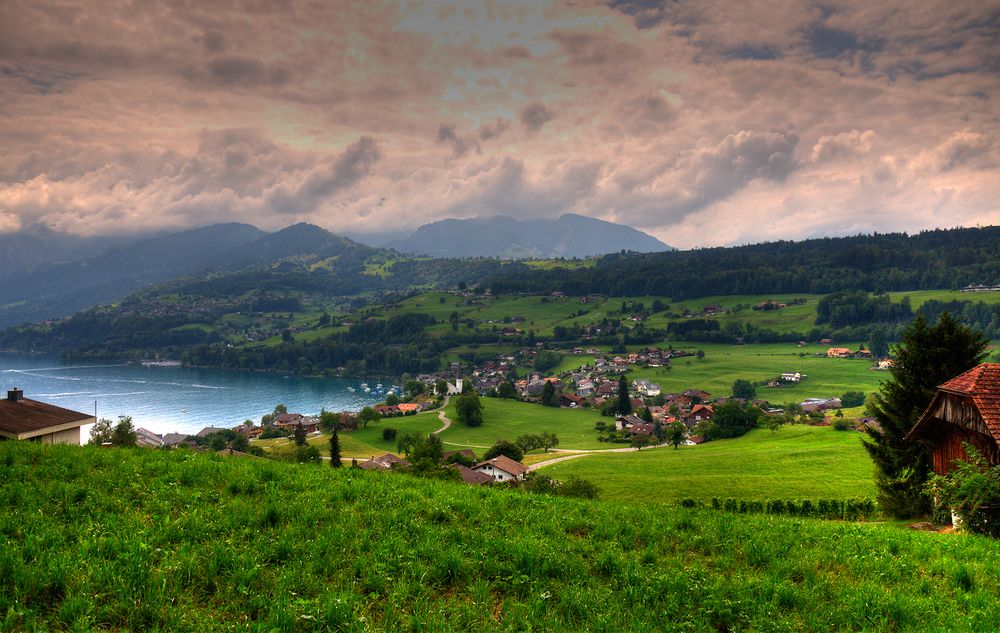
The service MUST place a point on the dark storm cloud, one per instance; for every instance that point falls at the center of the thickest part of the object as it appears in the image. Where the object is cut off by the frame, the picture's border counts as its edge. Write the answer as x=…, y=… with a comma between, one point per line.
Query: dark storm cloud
x=460, y=145
x=535, y=115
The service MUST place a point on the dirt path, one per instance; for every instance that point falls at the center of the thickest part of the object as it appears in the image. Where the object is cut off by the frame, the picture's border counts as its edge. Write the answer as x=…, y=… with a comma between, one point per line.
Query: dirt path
x=445, y=420
x=585, y=453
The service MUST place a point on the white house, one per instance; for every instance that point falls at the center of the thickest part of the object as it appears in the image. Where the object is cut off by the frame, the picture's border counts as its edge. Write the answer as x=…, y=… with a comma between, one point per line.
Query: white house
x=502, y=468
x=791, y=377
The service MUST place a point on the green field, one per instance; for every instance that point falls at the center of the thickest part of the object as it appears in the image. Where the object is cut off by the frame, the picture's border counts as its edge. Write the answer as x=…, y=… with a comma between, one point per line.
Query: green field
x=362, y=443
x=792, y=463
x=141, y=540
x=508, y=419
x=723, y=364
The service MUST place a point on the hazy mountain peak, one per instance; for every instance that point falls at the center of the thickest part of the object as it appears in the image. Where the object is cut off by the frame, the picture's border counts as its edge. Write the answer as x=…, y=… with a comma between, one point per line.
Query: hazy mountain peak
x=570, y=235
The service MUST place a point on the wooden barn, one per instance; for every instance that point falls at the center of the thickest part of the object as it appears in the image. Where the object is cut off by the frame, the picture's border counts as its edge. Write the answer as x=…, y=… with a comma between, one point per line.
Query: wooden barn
x=964, y=409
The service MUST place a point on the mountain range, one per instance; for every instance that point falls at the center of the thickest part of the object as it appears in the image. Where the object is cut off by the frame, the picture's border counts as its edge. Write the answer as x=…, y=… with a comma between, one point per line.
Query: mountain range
x=568, y=236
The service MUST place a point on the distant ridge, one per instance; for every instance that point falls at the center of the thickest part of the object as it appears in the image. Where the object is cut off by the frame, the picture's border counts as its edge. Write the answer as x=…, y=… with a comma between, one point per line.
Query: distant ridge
x=568, y=236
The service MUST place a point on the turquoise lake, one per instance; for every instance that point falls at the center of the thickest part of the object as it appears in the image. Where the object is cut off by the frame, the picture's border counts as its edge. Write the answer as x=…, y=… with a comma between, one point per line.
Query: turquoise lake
x=176, y=399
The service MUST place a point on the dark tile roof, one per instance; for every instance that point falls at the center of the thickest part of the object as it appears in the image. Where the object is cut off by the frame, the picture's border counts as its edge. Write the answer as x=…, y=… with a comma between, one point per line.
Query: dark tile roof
x=472, y=477
x=28, y=416
x=506, y=464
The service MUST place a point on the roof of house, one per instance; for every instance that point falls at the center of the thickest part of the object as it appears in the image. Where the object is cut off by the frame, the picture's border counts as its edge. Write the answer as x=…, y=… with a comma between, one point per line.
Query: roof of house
x=466, y=452
x=982, y=384
x=472, y=477
x=505, y=464
x=384, y=462
x=208, y=430
x=24, y=416
x=171, y=439
x=288, y=417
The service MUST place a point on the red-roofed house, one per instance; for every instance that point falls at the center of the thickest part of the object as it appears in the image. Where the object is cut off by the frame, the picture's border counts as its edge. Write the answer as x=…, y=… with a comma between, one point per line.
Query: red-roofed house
x=964, y=409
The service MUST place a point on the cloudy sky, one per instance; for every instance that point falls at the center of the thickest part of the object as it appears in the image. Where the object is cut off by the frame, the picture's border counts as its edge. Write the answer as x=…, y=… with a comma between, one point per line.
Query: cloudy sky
x=702, y=123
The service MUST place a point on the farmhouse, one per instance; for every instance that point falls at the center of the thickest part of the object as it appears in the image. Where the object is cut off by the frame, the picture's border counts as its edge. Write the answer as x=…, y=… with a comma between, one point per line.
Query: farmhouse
x=502, y=468
x=384, y=462
x=24, y=419
x=838, y=352
x=964, y=409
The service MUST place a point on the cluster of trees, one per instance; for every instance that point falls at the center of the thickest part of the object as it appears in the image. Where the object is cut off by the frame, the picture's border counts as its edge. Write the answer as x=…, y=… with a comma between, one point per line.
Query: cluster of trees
x=874, y=263
x=842, y=309
x=105, y=431
x=470, y=409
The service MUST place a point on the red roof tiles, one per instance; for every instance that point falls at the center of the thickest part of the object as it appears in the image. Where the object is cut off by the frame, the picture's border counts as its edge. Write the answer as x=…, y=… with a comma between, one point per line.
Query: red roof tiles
x=983, y=384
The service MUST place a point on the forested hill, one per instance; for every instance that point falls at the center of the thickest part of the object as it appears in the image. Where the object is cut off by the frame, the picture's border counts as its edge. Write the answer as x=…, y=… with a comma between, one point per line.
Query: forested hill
x=937, y=259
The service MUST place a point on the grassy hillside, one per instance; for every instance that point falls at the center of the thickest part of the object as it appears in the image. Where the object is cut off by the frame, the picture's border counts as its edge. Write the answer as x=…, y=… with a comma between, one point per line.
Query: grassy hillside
x=103, y=539
x=793, y=462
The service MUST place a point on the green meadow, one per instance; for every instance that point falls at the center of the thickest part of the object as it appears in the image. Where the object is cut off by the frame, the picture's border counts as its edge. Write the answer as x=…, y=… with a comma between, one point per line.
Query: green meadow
x=508, y=419
x=143, y=540
x=794, y=462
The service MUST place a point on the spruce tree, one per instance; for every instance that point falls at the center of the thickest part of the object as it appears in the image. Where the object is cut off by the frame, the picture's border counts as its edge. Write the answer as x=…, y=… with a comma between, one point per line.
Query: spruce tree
x=300, y=435
x=624, y=401
x=335, y=461
x=925, y=358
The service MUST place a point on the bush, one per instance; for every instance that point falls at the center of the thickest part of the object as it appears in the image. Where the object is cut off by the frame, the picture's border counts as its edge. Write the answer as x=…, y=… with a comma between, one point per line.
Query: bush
x=972, y=492
x=388, y=434
x=577, y=487
x=306, y=454
x=843, y=424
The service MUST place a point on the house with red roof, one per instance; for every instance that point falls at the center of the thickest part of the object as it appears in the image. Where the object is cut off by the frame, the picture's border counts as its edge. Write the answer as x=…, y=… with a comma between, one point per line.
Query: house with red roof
x=965, y=410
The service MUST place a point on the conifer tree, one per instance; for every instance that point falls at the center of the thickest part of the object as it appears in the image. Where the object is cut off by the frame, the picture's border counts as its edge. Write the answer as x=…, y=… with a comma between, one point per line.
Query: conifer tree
x=925, y=358
x=335, y=461
x=300, y=435
x=624, y=401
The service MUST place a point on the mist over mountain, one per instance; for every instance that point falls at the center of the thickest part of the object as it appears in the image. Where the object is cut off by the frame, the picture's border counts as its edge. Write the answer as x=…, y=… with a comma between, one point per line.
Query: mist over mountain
x=55, y=289
x=569, y=236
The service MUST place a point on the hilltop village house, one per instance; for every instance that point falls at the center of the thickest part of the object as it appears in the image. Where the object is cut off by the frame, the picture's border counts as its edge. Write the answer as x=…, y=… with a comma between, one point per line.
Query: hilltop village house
x=24, y=419
x=966, y=409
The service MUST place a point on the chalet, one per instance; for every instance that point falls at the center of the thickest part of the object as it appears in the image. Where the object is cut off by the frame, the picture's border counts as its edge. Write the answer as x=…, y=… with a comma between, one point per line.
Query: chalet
x=291, y=421
x=712, y=309
x=407, y=407
x=701, y=412
x=467, y=453
x=502, y=468
x=626, y=422
x=174, y=439
x=386, y=410
x=791, y=377
x=472, y=477
x=24, y=419
x=820, y=404
x=384, y=462
x=248, y=430
x=209, y=430
x=642, y=428
x=966, y=409
x=570, y=400
x=698, y=394
x=148, y=439
x=646, y=388
x=838, y=352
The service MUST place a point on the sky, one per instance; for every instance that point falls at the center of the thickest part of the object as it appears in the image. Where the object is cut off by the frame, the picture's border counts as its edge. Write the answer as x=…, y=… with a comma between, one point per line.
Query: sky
x=702, y=123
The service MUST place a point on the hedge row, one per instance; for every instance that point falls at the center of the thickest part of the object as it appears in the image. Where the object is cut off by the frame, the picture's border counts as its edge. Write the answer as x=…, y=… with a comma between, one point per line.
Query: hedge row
x=847, y=510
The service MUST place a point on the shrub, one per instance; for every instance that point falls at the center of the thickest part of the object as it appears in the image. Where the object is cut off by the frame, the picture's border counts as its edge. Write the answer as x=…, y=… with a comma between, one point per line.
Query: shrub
x=388, y=434
x=843, y=424
x=577, y=487
x=306, y=454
